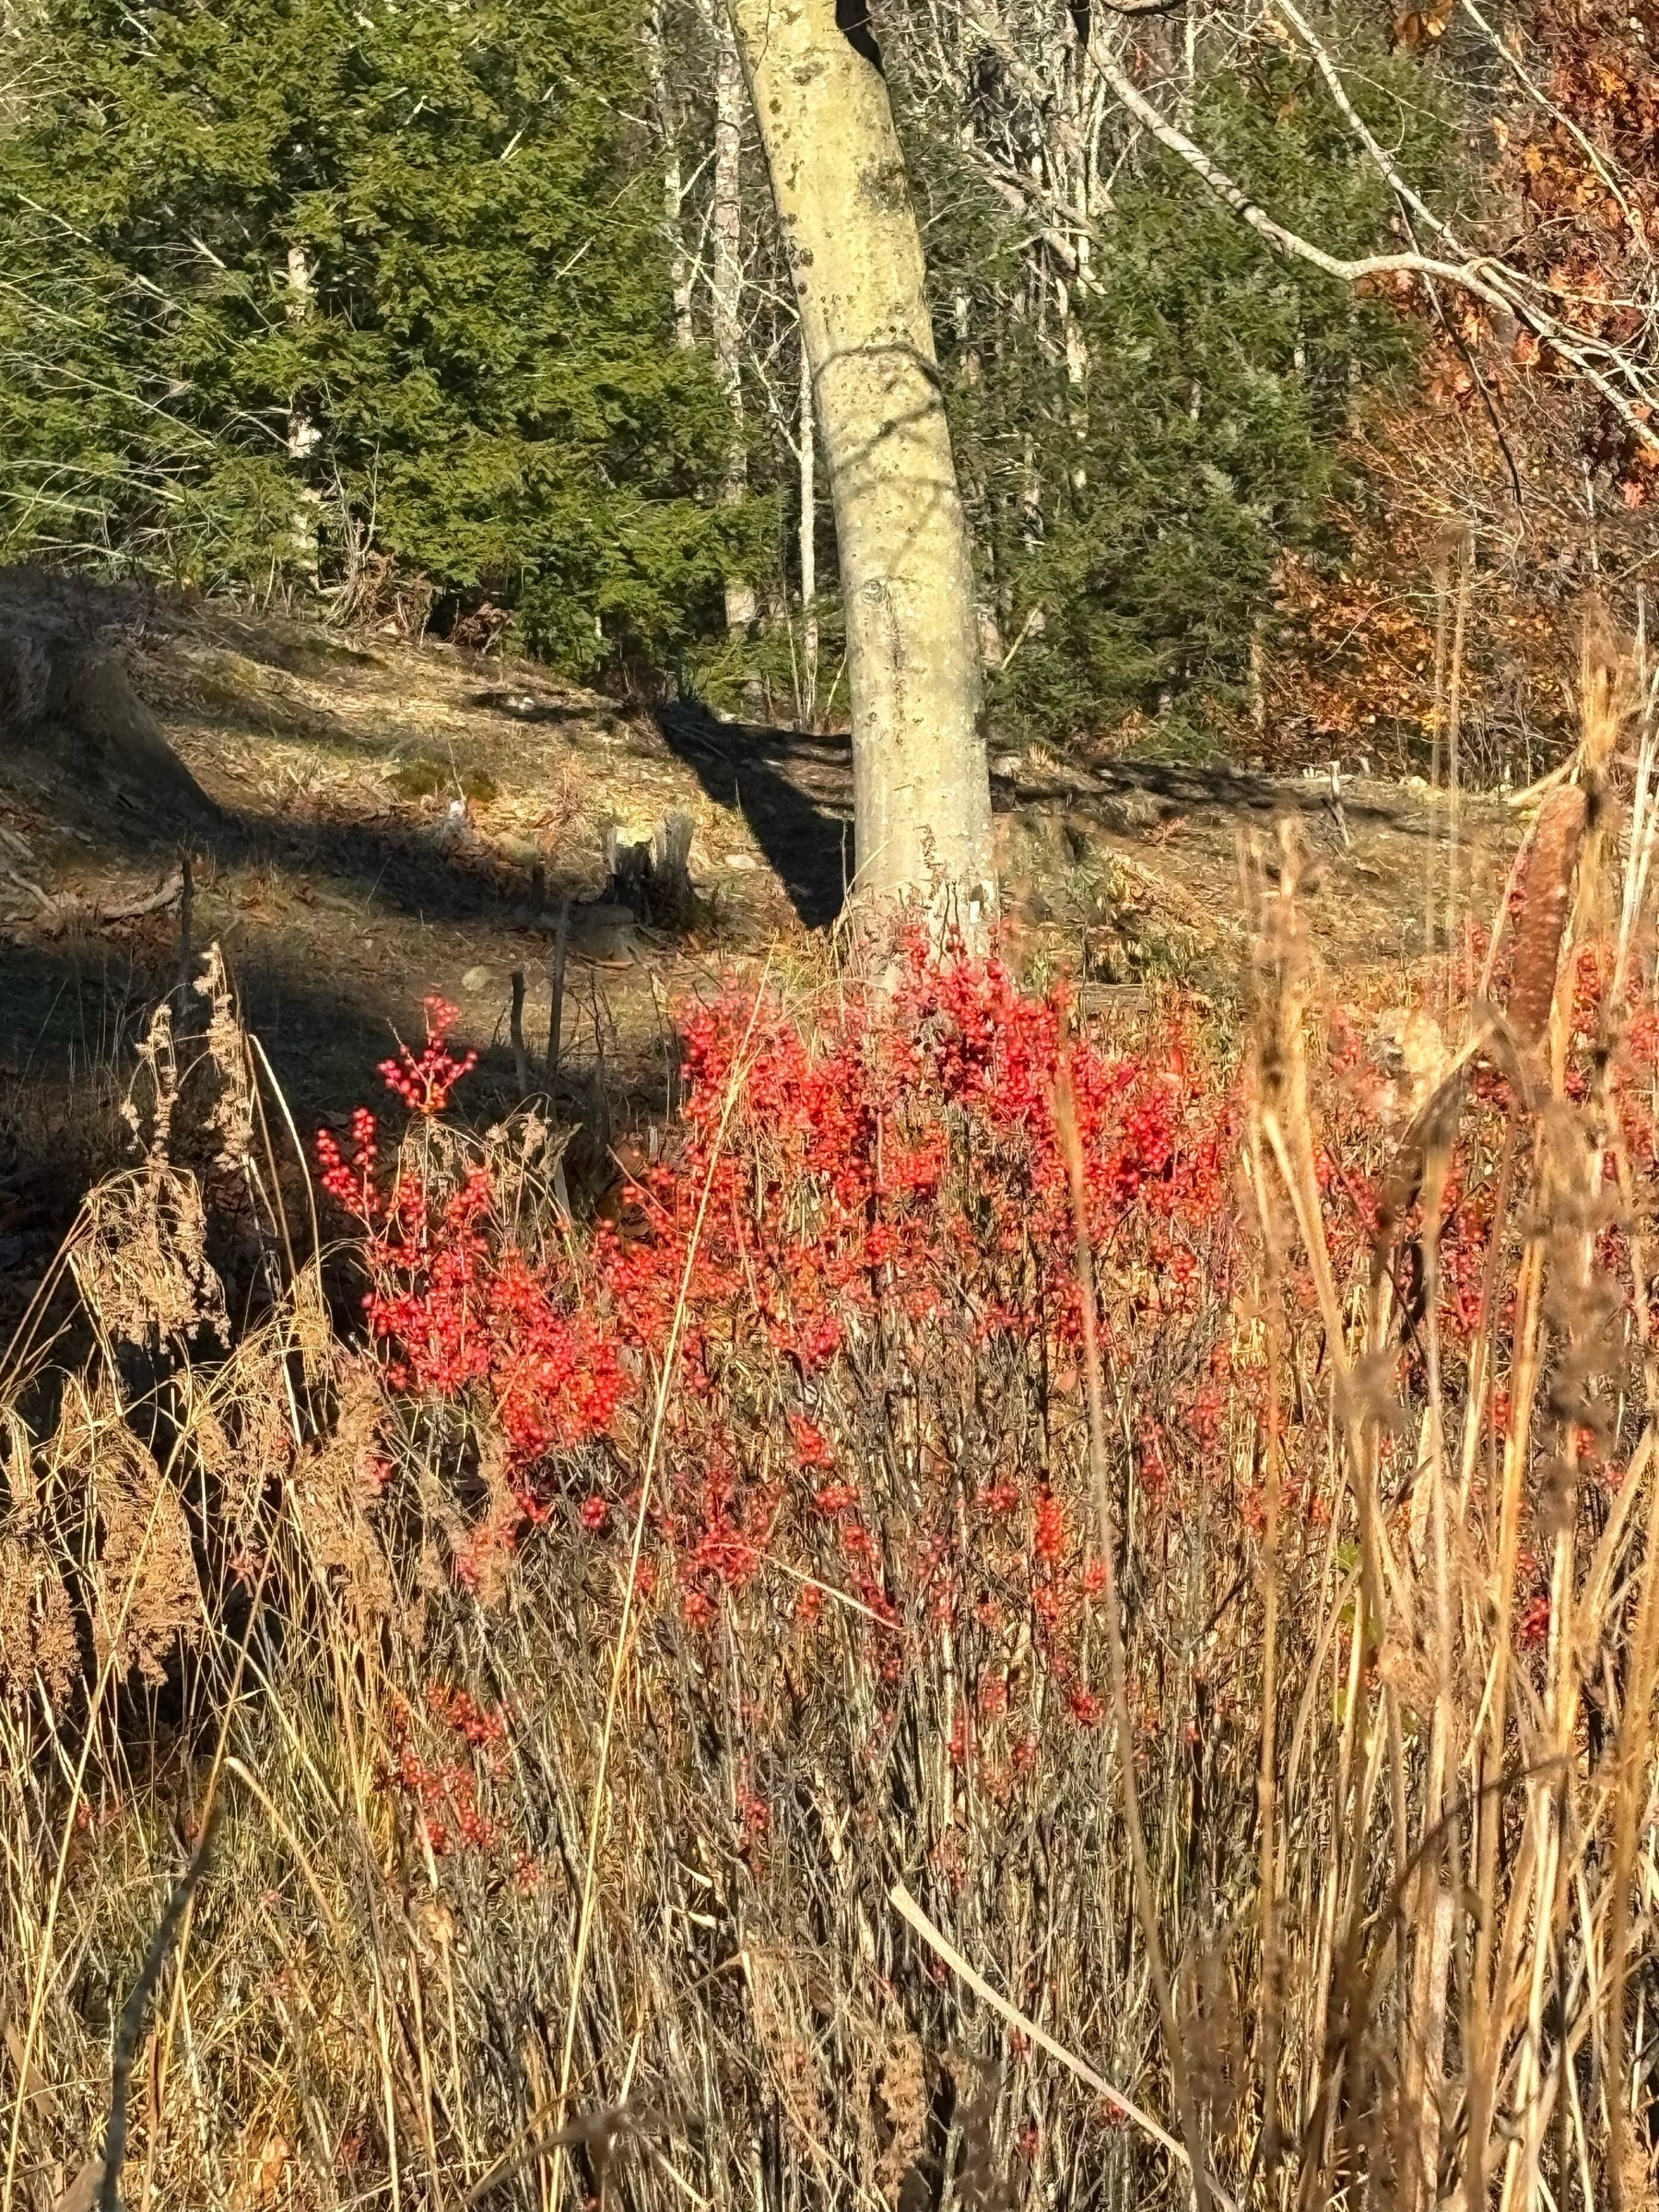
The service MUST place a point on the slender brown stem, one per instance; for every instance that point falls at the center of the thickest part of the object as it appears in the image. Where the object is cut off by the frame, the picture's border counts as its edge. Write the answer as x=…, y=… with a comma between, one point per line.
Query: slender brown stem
x=1146, y=1904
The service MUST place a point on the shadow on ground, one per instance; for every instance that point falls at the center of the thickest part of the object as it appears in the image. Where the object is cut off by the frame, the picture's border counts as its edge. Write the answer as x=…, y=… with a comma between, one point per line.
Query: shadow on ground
x=794, y=789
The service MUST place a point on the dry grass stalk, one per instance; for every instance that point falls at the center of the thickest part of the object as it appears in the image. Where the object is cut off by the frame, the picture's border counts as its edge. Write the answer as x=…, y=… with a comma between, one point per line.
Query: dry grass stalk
x=1365, y=1911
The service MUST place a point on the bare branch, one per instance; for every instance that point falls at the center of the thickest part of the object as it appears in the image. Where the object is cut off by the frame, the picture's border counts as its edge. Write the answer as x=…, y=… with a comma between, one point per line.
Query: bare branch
x=1357, y=123
x=1479, y=276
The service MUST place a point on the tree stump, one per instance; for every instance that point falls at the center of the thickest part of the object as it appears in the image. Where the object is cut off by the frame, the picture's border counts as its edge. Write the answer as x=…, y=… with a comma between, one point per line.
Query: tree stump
x=67, y=704
x=653, y=878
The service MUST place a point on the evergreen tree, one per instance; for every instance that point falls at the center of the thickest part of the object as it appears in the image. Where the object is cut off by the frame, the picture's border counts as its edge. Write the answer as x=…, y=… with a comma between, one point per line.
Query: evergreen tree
x=1132, y=492
x=290, y=277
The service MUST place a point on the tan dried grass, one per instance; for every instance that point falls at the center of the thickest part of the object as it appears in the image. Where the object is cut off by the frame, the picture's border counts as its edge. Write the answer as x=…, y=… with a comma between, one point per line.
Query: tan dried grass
x=1397, y=1863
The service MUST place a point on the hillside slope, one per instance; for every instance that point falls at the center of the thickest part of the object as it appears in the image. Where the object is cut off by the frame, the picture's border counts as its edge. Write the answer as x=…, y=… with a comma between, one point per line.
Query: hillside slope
x=387, y=820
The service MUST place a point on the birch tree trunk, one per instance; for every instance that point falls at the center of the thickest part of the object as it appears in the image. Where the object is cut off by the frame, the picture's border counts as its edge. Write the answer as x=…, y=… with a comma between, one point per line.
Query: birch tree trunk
x=725, y=288
x=303, y=436
x=922, y=797
x=673, y=190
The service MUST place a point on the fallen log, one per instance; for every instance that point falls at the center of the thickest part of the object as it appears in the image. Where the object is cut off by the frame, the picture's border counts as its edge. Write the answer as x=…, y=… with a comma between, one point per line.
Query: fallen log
x=157, y=902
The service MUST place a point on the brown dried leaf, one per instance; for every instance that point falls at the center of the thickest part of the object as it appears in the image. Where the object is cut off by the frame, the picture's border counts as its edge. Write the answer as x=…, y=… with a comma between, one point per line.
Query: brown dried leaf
x=261, y=2170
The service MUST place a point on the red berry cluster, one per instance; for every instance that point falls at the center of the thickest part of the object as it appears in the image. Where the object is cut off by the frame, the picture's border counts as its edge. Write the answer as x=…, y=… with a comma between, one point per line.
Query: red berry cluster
x=894, y=1179
x=424, y=1081
x=463, y=1310
x=445, y=1794
x=886, y=1184
x=858, y=1263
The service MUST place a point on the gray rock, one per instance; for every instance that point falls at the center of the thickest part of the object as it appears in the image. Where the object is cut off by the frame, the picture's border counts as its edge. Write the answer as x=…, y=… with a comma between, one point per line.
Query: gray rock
x=1130, y=813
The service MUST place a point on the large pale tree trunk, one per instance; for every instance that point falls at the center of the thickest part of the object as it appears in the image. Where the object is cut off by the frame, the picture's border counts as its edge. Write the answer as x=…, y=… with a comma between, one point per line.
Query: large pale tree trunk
x=921, y=790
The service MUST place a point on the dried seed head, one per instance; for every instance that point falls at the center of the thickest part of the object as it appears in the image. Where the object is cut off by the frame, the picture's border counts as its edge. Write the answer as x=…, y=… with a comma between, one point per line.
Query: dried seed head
x=1559, y=1482
x=902, y=2084
x=144, y=1599
x=1609, y=692
x=37, y=1625
x=234, y=1106
x=1556, y=842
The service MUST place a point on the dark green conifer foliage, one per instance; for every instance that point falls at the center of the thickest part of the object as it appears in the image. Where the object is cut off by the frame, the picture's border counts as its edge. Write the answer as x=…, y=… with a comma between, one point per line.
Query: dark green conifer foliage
x=1144, y=510
x=380, y=271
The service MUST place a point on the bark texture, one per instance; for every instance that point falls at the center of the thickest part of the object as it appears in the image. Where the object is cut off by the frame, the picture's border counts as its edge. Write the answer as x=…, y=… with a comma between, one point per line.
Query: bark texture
x=920, y=787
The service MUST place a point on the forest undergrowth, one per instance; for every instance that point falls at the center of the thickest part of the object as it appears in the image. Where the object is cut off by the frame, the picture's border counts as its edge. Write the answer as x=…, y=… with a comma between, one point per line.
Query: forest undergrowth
x=1033, y=1611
